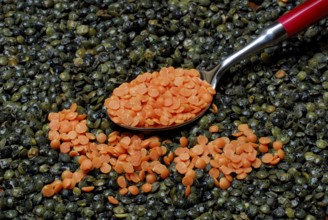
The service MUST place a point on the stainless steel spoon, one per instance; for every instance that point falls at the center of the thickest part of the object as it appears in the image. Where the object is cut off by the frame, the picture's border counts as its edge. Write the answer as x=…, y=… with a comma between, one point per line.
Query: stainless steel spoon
x=286, y=26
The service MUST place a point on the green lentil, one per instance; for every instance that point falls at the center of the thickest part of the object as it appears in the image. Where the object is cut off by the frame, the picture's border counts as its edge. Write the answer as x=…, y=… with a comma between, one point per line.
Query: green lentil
x=322, y=144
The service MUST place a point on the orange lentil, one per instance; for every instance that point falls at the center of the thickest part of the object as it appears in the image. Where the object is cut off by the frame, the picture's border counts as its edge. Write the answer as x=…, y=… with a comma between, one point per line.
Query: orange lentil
x=184, y=156
x=181, y=167
x=172, y=96
x=200, y=163
x=264, y=140
x=66, y=174
x=181, y=150
x=198, y=149
x=121, y=182
x=213, y=128
x=263, y=148
x=237, y=134
x=224, y=183
x=243, y=127
x=78, y=176
x=275, y=161
x=87, y=188
x=214, y=173
x=146, y=187
x=112, y=200
x=105, y=167
x=96, y=162
x=48, y=190
x=202, y=140
x=267, y=158
x=277, y=145
x=65, y=147
x=281, y=154
x=241, y=176
x=280, y=73
x=134, y=190
x=123, y=191
x=55, y=144
x=183, y=141
x=81, y=127
x=57, y=185
x=251, y=138
x=257, y=163
x=68, y=183
x=164, y=173
x=214, y=108
x=86, y=165
x=187, y=180
x=150, y=178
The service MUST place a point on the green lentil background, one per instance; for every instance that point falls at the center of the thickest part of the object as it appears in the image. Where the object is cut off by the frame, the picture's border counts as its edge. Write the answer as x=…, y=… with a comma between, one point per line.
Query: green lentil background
x=56, y=52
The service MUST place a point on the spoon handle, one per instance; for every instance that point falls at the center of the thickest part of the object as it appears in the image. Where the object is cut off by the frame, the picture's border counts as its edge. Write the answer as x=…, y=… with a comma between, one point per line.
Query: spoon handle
x=303, y=16
x=286, y=26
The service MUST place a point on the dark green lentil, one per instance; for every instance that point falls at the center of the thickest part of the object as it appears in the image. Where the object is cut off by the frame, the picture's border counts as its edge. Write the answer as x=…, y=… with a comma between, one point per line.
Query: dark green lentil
x=54, y=53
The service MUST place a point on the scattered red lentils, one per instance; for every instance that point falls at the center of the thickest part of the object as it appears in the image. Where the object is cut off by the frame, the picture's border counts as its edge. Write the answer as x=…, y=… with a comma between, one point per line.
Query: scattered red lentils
x=138, y=159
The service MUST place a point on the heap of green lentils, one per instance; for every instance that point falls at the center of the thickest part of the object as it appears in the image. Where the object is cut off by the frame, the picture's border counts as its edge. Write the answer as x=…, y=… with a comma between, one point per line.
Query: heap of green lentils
x=56, y=52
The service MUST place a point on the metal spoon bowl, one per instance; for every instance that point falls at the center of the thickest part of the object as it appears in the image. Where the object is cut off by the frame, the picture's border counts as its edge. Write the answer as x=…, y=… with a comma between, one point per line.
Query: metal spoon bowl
x=286, y=26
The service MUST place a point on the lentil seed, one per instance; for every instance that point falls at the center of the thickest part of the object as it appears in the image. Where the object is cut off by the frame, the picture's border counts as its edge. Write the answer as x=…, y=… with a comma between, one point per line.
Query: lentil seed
x=54, y=54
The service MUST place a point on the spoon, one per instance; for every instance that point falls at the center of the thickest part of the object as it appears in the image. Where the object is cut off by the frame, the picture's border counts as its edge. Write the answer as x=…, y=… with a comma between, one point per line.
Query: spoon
x=286, y=26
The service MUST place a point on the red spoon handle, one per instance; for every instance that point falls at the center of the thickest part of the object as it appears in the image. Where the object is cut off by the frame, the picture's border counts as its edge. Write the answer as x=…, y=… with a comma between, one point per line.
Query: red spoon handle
x=304, y=15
